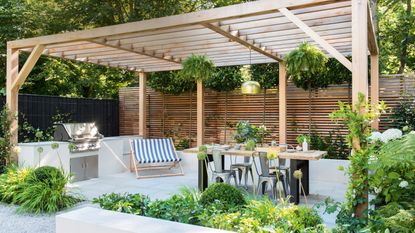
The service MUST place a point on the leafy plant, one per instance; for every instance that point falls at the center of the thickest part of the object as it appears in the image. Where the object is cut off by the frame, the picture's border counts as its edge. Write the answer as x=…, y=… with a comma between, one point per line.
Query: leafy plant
x=357, y=119
x=250, y=145
x=393, y=177
x=183, y=207
x=170, y=82
x=245, y=131
x=45, y=191
x=11, y=183
x=403, y=115
x=6, y=145
x=305, y=68
x=300, y=139
x=226, y=194
x=126, y=203
x=197, y=68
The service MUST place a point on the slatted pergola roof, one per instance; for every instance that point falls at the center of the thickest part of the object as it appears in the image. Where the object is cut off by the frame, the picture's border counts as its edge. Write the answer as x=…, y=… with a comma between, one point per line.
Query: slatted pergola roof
x=255, y=32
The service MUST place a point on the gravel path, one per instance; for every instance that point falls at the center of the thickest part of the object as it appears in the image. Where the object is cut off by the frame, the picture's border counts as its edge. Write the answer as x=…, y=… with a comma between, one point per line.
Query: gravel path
x=12, y=222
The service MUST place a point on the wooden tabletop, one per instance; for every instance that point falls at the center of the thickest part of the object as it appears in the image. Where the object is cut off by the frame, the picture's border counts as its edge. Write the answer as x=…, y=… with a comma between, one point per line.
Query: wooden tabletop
x=298, y=155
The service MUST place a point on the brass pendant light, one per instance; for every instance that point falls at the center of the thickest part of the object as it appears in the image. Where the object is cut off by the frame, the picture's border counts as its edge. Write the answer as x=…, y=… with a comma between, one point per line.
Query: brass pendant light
x=250, y=87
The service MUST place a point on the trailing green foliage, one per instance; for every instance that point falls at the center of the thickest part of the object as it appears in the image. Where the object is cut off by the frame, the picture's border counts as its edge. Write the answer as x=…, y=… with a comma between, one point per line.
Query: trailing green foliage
x=6, y=145
x=229, y=196
x=305, y=66
x=126, y=203
x=197, y=68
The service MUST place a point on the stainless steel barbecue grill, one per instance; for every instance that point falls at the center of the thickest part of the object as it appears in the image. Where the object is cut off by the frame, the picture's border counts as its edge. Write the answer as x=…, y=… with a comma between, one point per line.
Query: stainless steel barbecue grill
x=84, y=136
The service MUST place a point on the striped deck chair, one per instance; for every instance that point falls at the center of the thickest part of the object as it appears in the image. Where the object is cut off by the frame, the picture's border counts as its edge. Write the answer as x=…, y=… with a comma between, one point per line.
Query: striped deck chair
x=153, y=154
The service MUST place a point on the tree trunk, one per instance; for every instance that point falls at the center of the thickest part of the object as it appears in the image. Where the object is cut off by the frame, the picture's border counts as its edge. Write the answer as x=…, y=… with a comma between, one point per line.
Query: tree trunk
x=309, y=111
x=264, y=106
x=190, y=113
x=163, y=119
x=405, y=37
x=226, y=116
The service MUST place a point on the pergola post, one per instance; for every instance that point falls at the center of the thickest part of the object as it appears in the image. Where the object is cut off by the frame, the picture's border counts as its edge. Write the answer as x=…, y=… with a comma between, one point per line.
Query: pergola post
x=374, y=84
x=142, y=107
x=359, y=48
x=360, y=82
x=12, y=71
x=282, y=90
x=200, y=114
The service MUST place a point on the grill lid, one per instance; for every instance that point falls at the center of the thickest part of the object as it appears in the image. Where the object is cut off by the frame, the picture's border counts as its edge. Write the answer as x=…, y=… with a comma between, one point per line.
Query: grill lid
x=85, y=136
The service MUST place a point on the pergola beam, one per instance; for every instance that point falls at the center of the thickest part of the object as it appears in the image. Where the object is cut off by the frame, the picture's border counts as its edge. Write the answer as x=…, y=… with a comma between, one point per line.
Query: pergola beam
x=28, y=66
x=317, y=38
x=212, y=15
x=234, y=36
x=139, y=51
x=372, y=42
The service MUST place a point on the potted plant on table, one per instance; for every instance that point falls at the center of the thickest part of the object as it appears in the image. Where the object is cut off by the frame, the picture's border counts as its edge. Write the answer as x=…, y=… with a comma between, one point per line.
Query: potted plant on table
x=245, y=131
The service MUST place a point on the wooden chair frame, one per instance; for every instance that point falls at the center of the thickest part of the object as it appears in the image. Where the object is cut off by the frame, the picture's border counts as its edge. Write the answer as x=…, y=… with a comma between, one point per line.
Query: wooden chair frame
x=135, y=167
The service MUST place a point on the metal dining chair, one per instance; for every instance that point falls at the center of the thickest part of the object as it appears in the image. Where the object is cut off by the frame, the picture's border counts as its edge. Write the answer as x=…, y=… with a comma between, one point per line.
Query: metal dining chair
x=266, y=178
x=283, y=167
x=218, y=172
x=243, y=169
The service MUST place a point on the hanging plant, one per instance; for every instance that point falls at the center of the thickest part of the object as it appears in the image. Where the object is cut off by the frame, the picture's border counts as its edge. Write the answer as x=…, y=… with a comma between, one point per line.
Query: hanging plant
x=197, y=68
x=305, y=68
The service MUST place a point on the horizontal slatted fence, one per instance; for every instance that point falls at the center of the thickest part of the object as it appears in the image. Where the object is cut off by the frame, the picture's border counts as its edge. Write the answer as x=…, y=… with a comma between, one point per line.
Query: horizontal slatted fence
x=170, y=115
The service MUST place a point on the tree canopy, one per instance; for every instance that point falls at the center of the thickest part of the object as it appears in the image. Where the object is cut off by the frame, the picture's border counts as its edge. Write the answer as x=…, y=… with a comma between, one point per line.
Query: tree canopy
x=29, y=18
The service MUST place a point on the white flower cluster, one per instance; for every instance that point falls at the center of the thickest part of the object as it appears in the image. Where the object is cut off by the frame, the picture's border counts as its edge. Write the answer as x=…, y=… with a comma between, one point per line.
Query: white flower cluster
x=403, y=184
x=390, y=134
x=386, y=136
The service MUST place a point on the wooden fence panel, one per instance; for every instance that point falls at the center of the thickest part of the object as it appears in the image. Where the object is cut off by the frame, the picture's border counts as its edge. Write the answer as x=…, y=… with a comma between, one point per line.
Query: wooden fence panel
x=173, y=116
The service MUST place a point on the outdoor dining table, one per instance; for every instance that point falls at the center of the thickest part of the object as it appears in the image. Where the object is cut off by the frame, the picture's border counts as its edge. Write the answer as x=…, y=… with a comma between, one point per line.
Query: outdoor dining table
x=298, y=160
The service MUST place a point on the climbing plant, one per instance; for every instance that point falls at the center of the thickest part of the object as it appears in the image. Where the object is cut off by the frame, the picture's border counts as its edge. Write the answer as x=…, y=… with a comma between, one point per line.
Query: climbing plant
x=358, y=120
x=306, y=66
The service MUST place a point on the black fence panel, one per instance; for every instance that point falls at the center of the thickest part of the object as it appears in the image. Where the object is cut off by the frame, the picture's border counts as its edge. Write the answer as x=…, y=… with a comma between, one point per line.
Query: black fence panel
x=39, y=110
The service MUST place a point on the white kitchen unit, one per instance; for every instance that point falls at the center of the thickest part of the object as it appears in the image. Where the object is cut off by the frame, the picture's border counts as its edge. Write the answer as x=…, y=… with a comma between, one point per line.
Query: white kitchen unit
x=112, y=157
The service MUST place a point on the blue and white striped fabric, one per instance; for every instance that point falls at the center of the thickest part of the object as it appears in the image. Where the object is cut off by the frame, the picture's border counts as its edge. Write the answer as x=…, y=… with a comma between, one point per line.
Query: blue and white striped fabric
x=154, y=150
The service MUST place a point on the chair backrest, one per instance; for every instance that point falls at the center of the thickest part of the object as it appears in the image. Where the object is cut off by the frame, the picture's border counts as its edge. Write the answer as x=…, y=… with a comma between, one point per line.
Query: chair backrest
x=281, y=162
x=217, y=160
x=154, y=150
x=264, y=164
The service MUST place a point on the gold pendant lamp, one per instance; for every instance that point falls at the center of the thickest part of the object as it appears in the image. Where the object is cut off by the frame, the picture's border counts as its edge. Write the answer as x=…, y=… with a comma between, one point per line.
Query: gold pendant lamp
x=250, y=87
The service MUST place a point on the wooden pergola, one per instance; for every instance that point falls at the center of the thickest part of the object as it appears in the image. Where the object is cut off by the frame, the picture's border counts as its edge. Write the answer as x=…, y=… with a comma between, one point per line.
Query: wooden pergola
x=227, y=35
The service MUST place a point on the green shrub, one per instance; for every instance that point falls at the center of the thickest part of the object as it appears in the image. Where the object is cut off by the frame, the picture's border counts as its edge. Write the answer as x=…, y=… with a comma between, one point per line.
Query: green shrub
x=226, y=194
x=126, y=203
x=394, y=217
x=11, y=183
x=45, y=174
x=393, y=179
x=183, y=207
x=48, y=194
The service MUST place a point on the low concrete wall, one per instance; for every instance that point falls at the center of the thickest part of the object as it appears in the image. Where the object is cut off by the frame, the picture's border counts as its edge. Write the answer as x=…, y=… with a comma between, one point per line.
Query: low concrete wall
x=94, y=220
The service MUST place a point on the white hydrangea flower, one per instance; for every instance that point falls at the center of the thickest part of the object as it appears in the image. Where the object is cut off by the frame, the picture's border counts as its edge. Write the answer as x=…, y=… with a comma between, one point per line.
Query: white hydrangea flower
x=390, y=134
x=375, y=136
x=378, y=190
x=412, y=132
x=403, y=184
